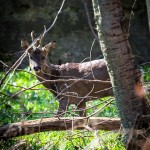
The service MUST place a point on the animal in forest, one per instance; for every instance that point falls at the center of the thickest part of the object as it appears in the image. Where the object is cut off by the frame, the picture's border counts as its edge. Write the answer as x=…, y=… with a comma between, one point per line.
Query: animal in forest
x=70, y=83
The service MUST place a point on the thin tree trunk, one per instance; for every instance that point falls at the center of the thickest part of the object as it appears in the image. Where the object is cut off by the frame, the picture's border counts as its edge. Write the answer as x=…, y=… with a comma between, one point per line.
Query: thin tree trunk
x=55, y=124
x=125, y=78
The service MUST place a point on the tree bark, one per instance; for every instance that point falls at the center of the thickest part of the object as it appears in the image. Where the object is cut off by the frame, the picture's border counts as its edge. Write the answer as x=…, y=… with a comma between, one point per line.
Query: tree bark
x=55, y=124
x=125, y=77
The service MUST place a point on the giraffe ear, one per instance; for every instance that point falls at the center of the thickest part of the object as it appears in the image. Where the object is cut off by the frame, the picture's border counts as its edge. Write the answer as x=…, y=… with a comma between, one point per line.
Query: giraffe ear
x=25, y=45
x=49, y=47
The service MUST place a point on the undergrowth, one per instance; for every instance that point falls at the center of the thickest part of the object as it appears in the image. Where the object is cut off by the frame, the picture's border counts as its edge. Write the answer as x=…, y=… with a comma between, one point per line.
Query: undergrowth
x=17, y=103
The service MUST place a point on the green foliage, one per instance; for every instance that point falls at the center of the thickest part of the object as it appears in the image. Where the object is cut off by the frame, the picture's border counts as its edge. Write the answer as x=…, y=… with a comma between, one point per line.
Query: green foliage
x=38, y=102
x=6, y=144
x=146, y=72
x=72, y=140
x=146, y=79
x=18, y=103
x=109, y=111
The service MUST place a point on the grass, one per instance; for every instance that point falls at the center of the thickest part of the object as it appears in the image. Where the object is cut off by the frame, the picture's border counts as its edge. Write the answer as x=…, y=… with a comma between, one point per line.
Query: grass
x=37, y=103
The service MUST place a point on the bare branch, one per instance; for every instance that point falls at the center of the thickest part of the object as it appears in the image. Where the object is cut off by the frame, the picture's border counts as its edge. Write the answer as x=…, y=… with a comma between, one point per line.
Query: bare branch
x=18, y=62
x=89, y=21
x=131, y=15
x=101, y=108
x=47, y=30
x=54, y=124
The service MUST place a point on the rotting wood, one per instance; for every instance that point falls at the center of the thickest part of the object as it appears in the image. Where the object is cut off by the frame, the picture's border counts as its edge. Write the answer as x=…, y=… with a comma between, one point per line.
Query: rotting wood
x=55, y=124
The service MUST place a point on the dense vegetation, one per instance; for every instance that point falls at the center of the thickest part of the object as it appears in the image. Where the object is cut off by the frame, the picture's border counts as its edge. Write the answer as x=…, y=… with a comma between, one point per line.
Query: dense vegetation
x=19, y=103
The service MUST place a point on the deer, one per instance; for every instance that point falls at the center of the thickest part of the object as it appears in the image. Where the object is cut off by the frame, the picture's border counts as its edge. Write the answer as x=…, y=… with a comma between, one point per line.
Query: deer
x=70, y=83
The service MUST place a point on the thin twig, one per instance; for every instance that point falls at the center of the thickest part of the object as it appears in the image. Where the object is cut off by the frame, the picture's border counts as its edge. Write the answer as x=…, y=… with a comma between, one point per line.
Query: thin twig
x=131, y=16
x=18, y=62
x=60, y=93
x=90, y=107
x=45, y=31
x=100, y=108
x=89, y=21
x=90, y=59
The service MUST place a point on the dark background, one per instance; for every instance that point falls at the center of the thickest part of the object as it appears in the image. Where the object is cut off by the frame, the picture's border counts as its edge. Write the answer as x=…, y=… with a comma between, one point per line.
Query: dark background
x=71, y=31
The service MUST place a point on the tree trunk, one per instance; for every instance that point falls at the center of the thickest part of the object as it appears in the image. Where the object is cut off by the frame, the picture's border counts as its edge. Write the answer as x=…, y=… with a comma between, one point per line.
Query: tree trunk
x=55, y=124
x=125, y=77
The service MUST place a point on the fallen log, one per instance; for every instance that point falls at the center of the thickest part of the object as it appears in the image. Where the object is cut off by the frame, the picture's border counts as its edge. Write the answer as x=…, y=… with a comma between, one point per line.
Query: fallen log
x=57, y=124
